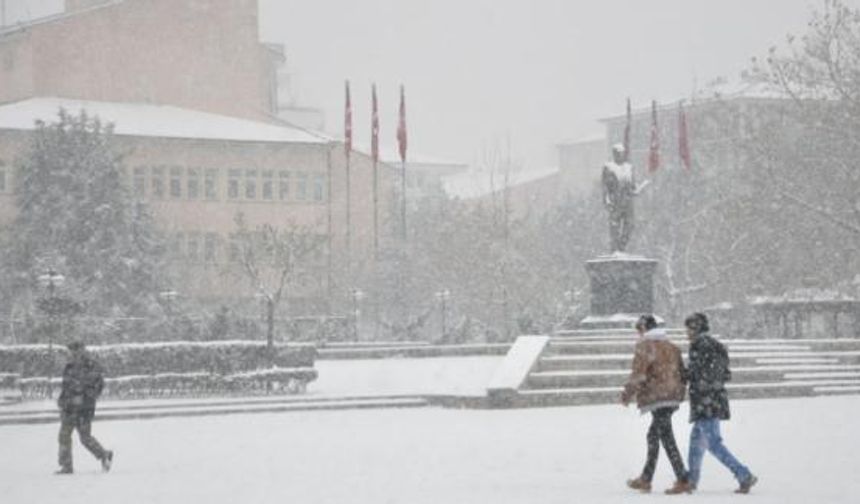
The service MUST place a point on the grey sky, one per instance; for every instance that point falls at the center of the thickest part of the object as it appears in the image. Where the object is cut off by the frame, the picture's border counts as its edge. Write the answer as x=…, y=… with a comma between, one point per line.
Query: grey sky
x=476, y=71
x=540, y=70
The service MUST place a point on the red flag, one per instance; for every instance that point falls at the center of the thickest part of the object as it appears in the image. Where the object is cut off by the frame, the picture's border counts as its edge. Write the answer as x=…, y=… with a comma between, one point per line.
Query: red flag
x=654, y=151
x=401, y=126
x=627, y=128
x=347, y=123
x=374, y=129
x=683, y=139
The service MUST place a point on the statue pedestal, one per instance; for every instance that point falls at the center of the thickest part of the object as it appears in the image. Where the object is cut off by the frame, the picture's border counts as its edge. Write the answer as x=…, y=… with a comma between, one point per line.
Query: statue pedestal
x=622, y=289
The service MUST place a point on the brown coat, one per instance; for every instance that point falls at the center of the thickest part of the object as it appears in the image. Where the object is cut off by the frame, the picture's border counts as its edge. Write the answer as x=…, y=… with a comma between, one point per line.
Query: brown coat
x=656, y=380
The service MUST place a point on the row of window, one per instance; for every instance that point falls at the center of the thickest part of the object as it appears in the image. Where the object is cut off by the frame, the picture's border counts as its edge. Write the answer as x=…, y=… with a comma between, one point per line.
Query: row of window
x=194, y=246
x=177, y=182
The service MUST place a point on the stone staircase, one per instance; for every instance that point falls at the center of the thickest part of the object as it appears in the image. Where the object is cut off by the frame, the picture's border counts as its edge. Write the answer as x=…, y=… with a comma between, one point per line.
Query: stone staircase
x=590, y=367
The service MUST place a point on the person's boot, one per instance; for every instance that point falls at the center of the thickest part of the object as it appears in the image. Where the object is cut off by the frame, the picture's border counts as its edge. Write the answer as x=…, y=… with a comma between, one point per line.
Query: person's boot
x=639, y=484
x=64, y=470
x=107, y=461
x=747, y=485
x=680, y=486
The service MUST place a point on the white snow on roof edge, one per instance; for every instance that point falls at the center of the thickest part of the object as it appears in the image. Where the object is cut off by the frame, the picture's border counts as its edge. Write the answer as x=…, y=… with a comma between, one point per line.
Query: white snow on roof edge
x=165, y=121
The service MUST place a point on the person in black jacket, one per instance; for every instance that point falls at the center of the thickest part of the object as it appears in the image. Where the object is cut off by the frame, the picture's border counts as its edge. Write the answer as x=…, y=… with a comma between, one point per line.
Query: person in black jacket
x=709, y=402
x=83, y=380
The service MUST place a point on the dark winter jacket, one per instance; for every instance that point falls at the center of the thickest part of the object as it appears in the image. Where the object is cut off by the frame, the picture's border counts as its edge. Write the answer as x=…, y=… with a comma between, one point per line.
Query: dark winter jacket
x=83, y=381
x=707, y=376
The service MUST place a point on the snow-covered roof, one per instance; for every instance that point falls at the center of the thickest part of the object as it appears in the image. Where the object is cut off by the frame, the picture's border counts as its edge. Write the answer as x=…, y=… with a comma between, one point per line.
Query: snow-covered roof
x=476, y=184
x=390, y=155
x=593, y=138
x=148, y=120
x=721, y=91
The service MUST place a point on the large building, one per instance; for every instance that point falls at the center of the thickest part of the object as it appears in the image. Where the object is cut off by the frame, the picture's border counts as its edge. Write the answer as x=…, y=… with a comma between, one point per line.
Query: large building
x=203, y=55
x=193, y=96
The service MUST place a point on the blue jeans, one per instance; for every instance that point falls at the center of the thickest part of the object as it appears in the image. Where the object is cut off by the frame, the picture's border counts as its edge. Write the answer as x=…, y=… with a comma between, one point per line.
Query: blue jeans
x=706, y=436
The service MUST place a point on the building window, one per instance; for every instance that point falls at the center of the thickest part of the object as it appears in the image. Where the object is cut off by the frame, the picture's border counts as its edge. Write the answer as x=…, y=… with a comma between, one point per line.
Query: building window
x=210, y=183
x=301, y=186
x=319, y=187
x=284, y=185
x=176, y=245
x=193, y=183
x=175, y=182
x=233, y=252
x=210, y=247
x=140, y=181
x=233, y=183
x=2, y=176
x=192, y=246
x=267, y=188
x=250, y=184
x=158, y=182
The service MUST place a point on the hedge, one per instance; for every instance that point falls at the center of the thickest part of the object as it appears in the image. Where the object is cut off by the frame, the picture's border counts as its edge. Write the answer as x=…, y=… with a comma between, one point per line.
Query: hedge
x=215, y=357
x=265, y=381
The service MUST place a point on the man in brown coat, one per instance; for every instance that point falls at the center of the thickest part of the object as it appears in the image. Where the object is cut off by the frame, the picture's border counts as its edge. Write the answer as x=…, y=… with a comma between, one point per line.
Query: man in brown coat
x=657, y=384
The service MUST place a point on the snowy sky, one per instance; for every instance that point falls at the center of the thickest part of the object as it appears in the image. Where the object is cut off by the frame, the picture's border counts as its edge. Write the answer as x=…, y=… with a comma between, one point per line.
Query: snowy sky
x=481, y=71
x=540, y=71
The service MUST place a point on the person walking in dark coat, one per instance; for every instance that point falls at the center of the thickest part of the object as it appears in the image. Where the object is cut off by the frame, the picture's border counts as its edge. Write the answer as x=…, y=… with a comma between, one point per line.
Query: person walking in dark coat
x=83, y=380
x=656, y=382
x=709, y=402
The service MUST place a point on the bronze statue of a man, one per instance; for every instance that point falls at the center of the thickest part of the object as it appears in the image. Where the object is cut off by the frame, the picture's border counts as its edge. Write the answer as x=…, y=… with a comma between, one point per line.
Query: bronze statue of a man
x=619, y=189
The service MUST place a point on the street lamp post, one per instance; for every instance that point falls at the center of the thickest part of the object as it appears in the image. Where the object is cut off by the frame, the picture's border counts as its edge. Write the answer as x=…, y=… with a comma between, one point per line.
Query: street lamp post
x=443, y=296
x=168, y=296
x=51, y=280
x=268, y=304
x=357, y=295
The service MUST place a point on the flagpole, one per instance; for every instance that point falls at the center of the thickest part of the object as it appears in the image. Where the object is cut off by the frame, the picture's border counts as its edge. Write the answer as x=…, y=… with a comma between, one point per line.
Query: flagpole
x=329, y=212
x=403, y=201
x=375, y=156
x=347, y=126
x=348, y=223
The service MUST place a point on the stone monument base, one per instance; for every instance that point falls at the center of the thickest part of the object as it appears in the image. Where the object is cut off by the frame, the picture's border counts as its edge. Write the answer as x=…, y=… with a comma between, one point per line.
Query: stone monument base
x=622, y=289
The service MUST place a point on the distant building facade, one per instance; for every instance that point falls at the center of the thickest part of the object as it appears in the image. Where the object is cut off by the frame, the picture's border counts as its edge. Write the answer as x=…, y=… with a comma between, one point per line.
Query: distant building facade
x=197, y=171
x=201, y=55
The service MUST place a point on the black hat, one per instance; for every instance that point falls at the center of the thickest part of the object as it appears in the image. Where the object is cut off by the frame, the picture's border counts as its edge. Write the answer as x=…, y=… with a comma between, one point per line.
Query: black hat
x=647, y=322
x=698, y=322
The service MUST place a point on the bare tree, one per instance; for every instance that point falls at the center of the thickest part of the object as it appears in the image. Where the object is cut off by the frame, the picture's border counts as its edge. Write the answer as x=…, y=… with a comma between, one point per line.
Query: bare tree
x=273, y=260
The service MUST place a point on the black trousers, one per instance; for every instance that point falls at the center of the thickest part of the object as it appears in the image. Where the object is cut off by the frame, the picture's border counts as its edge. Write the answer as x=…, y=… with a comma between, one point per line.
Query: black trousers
x=79, y=419
x=661, y=431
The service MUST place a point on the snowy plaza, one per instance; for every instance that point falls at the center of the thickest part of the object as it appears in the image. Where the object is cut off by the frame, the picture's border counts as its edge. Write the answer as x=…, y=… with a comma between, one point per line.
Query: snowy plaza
x=412, y=252
x=803, y=450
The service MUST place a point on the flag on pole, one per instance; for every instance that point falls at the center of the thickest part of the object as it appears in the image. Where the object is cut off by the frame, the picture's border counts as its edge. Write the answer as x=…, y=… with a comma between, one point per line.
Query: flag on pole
x=347, y=123
x=683, y=138
x=654, y=151
x=374, y=128
x=401, y=126
x=627, y=128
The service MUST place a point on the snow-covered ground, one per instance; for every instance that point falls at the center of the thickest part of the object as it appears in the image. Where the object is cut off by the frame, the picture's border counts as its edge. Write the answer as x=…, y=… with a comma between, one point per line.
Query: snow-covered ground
x=803, y=450
x=443, y=376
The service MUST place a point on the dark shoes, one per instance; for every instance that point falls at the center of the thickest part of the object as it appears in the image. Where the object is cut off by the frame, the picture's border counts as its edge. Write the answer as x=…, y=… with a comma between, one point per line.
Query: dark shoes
x=64, y=470
x=680, y=486
x=746, y=485
x=639, y=484
x=107, y=461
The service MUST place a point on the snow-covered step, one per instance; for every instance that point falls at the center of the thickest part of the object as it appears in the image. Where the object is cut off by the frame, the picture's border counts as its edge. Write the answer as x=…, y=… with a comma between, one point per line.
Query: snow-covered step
x=210, y=410
x=833, y=390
